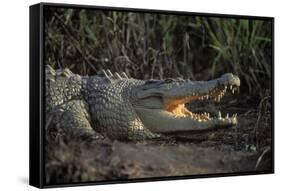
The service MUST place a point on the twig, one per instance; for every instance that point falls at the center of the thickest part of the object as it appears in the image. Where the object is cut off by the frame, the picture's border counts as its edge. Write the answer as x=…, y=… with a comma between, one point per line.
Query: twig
x=261, y=157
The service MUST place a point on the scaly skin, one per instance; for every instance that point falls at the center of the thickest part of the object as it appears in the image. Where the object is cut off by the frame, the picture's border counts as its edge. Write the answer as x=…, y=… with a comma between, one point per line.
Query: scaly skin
x=124, y=108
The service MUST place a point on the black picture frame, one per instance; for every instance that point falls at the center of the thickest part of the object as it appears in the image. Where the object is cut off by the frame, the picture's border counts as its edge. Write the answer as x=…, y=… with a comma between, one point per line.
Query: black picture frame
x=37, y=93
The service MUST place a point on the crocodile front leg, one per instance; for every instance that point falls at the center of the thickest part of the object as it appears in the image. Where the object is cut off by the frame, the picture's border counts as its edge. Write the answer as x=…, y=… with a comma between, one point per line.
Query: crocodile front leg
x=73, y=117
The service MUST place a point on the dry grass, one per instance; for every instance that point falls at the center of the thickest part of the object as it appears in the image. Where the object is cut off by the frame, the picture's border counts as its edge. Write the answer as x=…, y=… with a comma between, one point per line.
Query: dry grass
x=160, y=46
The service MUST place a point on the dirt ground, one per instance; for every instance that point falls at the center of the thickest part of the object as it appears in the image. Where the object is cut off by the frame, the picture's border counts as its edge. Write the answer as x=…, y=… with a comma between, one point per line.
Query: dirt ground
x=237, y=149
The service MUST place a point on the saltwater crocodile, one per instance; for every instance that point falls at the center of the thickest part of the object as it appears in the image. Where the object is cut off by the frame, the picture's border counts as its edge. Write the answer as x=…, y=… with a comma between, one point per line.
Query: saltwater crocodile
x=124, y=108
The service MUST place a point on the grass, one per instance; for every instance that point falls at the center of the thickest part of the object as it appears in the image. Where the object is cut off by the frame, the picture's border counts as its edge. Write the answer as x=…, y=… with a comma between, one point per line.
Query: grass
x=160, y=46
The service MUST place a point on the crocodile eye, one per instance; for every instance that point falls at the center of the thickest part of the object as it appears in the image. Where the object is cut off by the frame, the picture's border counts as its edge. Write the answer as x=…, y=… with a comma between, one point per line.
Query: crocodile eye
x=169, y=80
x=152, y=81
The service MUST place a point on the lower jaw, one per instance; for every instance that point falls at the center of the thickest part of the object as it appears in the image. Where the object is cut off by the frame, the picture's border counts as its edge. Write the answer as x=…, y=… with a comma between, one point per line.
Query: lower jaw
x=159, y=121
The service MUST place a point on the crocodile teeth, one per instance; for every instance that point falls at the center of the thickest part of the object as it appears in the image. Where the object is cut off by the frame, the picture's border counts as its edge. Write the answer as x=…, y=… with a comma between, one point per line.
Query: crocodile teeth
x=219, y=116
x=227, y=116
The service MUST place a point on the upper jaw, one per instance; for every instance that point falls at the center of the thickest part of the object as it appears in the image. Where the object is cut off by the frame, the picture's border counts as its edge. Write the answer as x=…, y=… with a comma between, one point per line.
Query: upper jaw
x=200, y=90
x=204, y=89
x=186, y=88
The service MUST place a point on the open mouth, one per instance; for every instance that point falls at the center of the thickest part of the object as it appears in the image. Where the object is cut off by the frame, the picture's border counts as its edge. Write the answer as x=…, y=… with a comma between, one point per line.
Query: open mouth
x=163, y=107
x=178, y=108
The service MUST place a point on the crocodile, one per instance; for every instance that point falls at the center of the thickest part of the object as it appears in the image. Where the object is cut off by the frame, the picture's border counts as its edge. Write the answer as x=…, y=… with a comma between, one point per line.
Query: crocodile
x=123, y=108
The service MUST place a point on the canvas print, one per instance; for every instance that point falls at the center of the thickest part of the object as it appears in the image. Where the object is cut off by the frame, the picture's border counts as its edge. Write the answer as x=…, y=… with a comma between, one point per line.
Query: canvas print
x=132, y=95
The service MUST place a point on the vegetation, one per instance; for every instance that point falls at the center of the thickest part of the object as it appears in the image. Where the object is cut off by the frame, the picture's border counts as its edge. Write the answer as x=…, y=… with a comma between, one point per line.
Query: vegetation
x=160, y=45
